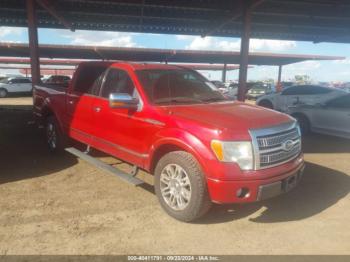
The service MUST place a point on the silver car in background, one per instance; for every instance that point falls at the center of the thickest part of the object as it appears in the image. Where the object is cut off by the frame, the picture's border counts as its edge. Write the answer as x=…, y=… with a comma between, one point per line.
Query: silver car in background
x=305, y=94
x=331, y=117
x=10, y=85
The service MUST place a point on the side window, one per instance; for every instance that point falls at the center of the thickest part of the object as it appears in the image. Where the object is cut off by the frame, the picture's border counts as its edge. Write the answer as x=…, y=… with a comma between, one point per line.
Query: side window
x=306, y=90
x=117, y=81
x=316, y=90
x=89, y=79
x=340, y=102
x=14, y=81
x=294, y=90
x=24, y=81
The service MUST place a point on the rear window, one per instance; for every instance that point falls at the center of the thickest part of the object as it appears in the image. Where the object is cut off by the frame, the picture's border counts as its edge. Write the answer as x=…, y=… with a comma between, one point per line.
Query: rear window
x=89, y=79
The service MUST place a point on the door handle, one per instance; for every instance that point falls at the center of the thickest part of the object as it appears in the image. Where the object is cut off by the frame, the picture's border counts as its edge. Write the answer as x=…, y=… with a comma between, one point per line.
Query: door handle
x=71, y=102
x=97, y=109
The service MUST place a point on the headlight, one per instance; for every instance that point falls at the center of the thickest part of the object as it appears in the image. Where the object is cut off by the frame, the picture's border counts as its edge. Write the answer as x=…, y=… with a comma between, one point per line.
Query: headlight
x=238, y=152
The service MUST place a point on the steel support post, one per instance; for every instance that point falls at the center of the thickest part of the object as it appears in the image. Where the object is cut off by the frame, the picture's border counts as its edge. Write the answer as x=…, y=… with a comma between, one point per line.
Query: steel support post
x=33, y=41
x=244, y=54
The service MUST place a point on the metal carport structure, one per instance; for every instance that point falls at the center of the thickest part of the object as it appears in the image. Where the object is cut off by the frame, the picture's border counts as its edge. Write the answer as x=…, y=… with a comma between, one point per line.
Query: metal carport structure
x=306, y=20
x=206, y=59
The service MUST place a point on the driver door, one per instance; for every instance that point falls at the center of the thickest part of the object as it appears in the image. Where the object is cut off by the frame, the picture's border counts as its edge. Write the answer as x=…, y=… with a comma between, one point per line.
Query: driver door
x=122, y=132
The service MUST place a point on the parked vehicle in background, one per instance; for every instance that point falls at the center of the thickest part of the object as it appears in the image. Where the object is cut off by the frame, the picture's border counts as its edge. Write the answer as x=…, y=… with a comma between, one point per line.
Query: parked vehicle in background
x=173, y=123
x=233, y=88
x=12, y=85
x=221, y=87
x=57, y=80
x=259, y=89
x=346, y=87
x=218, y=84
x=331, y=117
x=286, y=84
x=299, y=94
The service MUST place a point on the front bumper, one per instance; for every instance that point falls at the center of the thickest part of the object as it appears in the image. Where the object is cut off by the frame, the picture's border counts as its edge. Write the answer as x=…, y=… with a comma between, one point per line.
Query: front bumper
x=244, y=191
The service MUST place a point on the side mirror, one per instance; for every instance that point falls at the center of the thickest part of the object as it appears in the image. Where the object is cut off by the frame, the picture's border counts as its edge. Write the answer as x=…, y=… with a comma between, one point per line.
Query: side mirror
x=123, y=100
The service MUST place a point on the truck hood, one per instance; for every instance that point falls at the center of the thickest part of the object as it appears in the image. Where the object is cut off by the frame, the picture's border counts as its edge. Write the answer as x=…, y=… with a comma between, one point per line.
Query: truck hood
x=229, y=117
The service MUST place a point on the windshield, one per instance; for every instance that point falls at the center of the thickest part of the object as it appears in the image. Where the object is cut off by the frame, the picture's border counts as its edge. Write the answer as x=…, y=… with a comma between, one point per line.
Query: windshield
x=178, y=86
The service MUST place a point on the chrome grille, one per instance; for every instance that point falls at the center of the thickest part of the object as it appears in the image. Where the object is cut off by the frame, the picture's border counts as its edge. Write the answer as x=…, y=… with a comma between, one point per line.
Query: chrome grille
x=273, y=140
x=279, y=156
x=276, y=145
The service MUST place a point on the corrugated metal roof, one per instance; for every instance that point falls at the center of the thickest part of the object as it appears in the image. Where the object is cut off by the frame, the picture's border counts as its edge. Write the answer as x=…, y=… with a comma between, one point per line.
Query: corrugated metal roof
x=307, y=20
x=155, y=55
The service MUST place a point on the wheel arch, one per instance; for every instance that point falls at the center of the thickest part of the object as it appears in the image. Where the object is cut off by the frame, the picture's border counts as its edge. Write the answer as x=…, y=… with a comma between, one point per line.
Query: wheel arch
x=46, y=112
x=304, y=116
x=167, y=145
x=300, y=114
x=267, y=101
x=162, y=150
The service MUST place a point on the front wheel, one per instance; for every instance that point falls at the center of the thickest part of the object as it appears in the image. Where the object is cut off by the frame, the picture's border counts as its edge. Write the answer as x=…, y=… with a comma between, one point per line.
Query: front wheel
x=3, y=93
x=181, y=187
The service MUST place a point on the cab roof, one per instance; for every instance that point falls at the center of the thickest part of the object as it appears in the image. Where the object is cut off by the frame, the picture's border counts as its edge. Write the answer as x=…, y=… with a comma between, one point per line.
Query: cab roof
x=133, y=65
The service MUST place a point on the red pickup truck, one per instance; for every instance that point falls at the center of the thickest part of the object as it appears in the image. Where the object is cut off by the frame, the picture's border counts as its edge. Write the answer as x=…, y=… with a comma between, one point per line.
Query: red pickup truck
x=172, y=122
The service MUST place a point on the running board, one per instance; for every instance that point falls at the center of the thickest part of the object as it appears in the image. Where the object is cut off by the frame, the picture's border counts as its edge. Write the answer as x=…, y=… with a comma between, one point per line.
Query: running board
x=103, y=166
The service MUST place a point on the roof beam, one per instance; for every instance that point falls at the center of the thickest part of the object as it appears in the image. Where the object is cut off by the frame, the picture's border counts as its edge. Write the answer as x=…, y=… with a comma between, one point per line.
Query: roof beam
x=237, y=14
x=47, y=5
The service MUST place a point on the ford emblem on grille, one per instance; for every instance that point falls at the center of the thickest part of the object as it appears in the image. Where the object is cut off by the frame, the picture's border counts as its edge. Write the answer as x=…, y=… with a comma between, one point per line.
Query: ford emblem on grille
x=288, y=145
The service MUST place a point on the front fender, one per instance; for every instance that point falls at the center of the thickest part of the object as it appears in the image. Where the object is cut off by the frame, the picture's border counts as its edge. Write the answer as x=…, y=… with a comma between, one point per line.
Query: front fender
x=184, y=140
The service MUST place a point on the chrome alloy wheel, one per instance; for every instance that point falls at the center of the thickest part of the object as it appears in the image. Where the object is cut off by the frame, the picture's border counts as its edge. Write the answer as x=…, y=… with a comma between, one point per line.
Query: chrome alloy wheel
x=51, y=135
x=175, y=187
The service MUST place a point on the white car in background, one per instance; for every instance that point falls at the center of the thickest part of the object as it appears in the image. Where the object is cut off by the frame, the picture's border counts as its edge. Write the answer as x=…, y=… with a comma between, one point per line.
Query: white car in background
x=331, y=117
x=299, y=94
x=15, y=85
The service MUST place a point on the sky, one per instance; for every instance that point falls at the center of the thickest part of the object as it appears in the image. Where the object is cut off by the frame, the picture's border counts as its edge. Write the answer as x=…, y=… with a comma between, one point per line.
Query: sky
x=319, y=71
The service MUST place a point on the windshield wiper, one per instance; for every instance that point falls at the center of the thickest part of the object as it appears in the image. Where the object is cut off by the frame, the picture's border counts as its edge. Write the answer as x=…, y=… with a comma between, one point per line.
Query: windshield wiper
x=177, y=100
x=214, y=99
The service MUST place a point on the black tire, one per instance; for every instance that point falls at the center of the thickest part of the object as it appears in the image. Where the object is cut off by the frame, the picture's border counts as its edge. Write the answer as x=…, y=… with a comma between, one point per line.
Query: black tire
x=3, y=93
x=199, y=203
x=55, y=139
x=304, y=123
x=266, y=104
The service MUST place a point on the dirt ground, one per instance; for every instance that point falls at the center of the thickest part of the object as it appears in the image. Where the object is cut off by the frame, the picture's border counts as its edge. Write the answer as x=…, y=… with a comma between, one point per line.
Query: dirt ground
x=58, y=204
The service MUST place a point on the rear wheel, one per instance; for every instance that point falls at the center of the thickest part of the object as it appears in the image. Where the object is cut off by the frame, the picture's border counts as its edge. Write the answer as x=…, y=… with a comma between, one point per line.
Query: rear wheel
x=3, y=93
x=181, y=187
x=266, y=104
x=54, y=137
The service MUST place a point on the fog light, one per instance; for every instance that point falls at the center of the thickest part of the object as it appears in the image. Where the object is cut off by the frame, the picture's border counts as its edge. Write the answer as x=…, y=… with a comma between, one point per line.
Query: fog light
x=242, y=192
